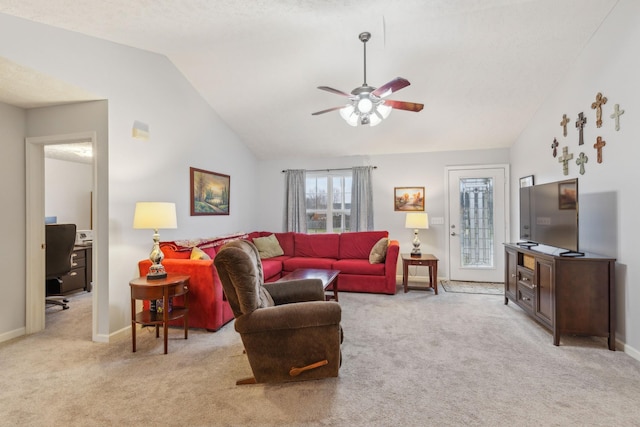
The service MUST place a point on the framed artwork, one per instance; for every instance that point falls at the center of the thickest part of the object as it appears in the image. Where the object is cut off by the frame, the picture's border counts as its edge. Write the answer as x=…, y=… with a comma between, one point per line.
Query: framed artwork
x=209, y=193
x=567, y=195
x=408, y=199
x=526, y=181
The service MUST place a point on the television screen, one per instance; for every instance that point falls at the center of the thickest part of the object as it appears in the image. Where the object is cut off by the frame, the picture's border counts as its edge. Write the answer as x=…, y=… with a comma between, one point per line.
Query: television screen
x=549, y=214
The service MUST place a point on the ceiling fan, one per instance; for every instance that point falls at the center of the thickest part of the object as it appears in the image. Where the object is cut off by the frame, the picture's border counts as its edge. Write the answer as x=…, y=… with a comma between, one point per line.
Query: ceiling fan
x=368, y=105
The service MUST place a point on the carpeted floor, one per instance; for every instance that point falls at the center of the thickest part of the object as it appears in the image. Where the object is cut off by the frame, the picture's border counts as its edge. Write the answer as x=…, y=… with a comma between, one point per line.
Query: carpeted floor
x=414, y=359
x=459, y=286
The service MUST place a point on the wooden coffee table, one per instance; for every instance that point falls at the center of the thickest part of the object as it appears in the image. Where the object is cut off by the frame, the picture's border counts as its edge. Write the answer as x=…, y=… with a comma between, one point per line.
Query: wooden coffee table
x=328, y=278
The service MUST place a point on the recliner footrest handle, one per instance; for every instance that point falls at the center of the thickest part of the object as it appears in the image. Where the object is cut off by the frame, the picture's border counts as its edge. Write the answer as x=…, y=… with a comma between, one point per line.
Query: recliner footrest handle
x=294, y=372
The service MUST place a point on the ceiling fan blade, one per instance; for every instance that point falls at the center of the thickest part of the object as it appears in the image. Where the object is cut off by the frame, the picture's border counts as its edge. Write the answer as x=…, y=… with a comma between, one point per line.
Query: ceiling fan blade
x=391, y=87
x=332, y=90
x=403, y=105
x=327, y=110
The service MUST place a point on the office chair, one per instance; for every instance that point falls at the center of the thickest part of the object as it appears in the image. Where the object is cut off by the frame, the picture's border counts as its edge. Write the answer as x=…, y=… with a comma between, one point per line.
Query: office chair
x=60, y=240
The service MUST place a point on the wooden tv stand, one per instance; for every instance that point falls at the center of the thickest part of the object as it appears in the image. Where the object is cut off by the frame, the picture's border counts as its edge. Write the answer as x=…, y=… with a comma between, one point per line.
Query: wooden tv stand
x=568, y=295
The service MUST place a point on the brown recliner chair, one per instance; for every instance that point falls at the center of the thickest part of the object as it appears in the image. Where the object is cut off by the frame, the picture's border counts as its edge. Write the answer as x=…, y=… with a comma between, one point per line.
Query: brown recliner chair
x=289, y=331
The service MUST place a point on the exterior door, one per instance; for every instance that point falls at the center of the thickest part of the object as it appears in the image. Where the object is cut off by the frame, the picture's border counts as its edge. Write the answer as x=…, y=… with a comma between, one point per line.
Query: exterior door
x=477, y=223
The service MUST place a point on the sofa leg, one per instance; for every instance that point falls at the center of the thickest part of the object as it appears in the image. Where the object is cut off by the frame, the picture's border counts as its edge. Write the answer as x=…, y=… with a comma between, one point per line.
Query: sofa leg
x=244, y=381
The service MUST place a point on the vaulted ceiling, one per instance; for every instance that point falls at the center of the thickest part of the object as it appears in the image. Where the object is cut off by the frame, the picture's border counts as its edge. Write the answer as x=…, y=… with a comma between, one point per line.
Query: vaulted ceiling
x=481, y=67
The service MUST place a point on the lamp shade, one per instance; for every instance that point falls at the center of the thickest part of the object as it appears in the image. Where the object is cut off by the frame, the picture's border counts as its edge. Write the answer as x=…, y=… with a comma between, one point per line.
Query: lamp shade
x=417, y=220
x=155, y=215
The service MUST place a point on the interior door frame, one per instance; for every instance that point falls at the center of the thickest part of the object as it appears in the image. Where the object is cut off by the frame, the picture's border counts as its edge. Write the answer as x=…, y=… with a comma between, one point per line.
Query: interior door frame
x=35, y=233
x=507, y=203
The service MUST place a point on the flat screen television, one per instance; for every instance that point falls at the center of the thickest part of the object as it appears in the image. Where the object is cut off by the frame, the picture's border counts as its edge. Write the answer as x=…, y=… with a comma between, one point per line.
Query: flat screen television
x=549, y=216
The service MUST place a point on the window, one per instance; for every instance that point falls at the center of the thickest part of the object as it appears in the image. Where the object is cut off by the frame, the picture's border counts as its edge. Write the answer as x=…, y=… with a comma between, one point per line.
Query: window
x=328, y=195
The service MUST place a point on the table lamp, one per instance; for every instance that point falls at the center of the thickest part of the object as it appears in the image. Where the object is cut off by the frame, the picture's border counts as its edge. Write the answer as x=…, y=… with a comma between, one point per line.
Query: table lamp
x=155, y=215
x=417, y=221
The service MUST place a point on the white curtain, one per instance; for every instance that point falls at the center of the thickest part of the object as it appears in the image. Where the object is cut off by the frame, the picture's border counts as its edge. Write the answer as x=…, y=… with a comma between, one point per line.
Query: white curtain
x=295, y=210
x=361, y=199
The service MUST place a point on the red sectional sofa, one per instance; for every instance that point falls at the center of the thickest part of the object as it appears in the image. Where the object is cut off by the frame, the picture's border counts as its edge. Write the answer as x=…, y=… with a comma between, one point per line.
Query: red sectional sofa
x=347, y=252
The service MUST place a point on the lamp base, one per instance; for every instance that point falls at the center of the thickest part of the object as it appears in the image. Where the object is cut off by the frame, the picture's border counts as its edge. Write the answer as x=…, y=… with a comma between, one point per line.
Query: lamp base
x=156, y=272
x=415, y=252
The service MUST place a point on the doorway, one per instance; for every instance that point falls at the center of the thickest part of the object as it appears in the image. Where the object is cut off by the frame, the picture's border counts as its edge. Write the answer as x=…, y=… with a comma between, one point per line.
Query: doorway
x=477, y=222
x=35, y=236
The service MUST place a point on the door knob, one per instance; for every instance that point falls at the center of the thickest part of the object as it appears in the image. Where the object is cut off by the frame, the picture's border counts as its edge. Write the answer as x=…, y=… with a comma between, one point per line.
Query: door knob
x=453, y=233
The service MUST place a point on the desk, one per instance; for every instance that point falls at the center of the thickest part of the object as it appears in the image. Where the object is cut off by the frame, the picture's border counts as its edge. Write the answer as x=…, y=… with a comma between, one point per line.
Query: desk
x=79, y=278
x=171, y=286
x=426, y=260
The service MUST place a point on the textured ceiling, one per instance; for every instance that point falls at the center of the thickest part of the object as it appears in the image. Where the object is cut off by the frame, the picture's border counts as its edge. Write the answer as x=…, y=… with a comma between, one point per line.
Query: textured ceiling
x=481, y=67
x=26, y=88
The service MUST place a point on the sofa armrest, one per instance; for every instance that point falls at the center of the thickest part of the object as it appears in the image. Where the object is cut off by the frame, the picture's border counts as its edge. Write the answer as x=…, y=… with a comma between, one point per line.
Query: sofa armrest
x=291, y=291
x=207, y=307
x=391, y=260
x=309, y=314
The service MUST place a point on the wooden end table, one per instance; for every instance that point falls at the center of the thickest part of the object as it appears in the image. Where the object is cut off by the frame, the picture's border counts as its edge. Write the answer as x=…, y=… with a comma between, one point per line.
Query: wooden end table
x=426, y=260
x=172, y=286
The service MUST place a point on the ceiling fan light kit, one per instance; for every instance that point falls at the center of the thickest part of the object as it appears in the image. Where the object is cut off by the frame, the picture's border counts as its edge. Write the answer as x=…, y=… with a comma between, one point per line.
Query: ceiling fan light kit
x=367, y=105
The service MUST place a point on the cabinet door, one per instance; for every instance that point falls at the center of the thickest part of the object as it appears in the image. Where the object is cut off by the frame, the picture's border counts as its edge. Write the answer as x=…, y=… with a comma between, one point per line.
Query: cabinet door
x=510, y=279
x=544, y=290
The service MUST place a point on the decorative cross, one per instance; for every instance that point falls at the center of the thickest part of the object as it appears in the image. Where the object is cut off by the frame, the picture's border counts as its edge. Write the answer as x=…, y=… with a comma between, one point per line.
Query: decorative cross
x=617, y=112
x=580, y=161
x=597, y=105
x=598, y=146
x=564, y=159
x=582, y=120
x=563, y=123
x=554, y=146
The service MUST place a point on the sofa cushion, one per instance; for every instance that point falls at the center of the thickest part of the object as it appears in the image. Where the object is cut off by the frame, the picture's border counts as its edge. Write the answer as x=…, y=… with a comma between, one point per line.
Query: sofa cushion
x=379, y=251
x=271, y=267
x=307, y=262
x=286, y=242
x=210, y=245
x=358, y=266
x=197, y=253
x=268, y=247
x=318, y=245
x=357, y=245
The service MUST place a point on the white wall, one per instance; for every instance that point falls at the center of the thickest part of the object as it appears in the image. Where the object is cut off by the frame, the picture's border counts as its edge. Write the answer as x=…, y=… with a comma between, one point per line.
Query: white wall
x=67, y=196
x=608, y=192
x=397, y=170
x=12, y=228
x=184, y=130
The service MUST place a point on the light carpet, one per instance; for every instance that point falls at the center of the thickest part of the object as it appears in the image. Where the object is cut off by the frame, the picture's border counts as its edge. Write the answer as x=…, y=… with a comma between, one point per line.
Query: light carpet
x=409, y=359
x=459, y=286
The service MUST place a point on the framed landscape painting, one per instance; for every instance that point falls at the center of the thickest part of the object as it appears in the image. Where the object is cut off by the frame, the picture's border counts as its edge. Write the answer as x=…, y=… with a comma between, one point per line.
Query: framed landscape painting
x=209, y=192
x=408, y=199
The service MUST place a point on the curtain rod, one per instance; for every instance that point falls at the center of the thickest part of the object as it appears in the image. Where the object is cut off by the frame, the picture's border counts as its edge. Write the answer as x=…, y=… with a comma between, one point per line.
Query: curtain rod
x=326, y=170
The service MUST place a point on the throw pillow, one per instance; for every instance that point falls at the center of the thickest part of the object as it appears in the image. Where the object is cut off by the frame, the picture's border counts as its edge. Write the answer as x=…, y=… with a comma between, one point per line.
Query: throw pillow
x=268, y=247
x=379, y=251
x=197, y=253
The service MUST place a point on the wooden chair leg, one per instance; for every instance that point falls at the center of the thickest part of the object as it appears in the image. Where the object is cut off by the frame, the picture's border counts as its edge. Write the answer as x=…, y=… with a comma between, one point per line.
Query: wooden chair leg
x=294, y=372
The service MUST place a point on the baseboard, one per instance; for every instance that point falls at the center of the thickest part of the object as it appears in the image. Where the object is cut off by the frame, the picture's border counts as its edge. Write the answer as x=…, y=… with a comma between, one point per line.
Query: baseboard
x=13, y=334
x=634, y=353
x=424, y=279
x=126, y=331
